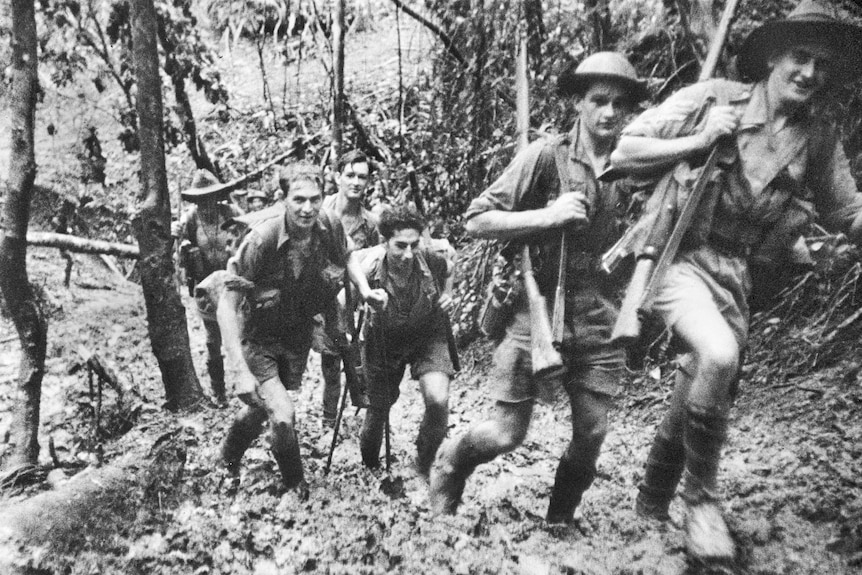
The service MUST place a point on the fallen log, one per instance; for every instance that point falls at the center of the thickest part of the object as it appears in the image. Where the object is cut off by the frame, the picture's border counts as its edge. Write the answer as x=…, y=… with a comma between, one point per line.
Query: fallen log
x=45, y=533
x=81, y=245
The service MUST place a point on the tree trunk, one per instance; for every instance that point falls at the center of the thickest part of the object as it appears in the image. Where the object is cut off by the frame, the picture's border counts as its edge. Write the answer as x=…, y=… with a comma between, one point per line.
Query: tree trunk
x=337, y=81
x=196, y=146
x=600, y=16
x=93, y=509
x=535, y=19
x=166, y=320
x=21, y=303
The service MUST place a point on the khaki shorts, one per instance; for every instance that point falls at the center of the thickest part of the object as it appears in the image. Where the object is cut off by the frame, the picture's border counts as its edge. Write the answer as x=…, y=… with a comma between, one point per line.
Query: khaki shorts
x=706, y=279
x=276, y=359
x=426, y=352
x=592, y=363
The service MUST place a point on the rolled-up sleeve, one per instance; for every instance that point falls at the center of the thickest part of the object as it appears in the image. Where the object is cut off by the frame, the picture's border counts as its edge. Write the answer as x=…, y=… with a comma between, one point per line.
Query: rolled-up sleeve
x=246, y=262
x=507, y=192
x=673, y=118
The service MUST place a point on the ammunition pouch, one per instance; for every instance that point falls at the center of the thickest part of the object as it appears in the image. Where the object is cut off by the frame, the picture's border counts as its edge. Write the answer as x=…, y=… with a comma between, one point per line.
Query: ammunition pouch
x=503, y=291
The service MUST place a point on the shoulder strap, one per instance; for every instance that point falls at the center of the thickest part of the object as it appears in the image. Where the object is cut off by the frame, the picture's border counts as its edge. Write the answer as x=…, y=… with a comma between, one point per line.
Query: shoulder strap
x=561, y=157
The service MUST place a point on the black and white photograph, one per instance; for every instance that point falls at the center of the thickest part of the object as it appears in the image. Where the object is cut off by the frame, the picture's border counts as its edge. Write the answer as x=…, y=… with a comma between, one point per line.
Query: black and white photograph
x=475, y=287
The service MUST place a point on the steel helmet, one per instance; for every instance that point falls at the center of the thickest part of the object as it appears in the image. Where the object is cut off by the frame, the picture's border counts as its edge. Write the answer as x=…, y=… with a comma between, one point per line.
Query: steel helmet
x=602, y=66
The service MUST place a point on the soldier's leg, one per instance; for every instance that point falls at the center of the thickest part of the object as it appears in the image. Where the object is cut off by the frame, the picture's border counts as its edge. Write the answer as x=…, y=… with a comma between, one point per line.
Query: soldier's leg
x=666, y=459
x=382, y=393
x=435, y=392
x=283, y=441
x=577, y=467
x=330, y=366
x=242, y=432
x=457, y=458
x=716, y=355
x=215, y=361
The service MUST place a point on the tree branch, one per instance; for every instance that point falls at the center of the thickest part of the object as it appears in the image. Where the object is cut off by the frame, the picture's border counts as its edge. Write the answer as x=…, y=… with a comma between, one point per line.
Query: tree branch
x=436, y=30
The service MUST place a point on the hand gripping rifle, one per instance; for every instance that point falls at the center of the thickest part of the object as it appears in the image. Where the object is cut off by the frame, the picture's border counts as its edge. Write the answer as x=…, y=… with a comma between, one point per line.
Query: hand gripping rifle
x=664, y=239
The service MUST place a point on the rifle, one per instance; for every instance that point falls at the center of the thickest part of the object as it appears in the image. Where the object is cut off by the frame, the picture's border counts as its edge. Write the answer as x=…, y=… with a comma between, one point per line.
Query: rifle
x=353, y=383
x=547, y=361
x=566, y=185
x=665, y=237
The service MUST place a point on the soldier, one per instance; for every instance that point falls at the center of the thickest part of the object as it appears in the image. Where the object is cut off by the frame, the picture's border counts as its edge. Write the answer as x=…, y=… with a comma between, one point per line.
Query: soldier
x=205, y=247
x=346, y=206
x=256, y=200
x=293, y=263
x=551, y=188
x=780, y=164
x=412, y=329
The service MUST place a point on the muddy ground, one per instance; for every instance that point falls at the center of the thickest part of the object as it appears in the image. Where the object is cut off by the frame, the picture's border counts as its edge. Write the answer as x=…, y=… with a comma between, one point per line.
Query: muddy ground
x=790, y=474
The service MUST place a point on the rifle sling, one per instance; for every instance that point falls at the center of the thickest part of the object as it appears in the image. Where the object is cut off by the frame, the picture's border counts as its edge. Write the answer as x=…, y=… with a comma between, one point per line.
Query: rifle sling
x=680, y=228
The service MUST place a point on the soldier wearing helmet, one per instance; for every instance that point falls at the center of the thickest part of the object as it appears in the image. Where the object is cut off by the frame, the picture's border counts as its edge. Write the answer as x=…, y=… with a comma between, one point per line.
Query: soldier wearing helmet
x=552, y=188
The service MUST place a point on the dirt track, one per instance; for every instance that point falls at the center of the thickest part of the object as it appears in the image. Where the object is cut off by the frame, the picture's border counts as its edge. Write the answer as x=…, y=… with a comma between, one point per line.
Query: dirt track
x=790, y=475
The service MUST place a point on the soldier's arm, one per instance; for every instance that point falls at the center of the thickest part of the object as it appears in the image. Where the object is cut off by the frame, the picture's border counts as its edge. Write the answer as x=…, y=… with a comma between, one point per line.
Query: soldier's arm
x=498, y=211
x=838, y=200
x=502, y=225
x=375, y=297
x=636, y=154
x=673, y=131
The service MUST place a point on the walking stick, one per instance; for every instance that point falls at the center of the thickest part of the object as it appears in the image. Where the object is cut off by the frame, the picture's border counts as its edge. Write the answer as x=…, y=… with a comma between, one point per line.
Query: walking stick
x=346, y=358
x=383, y=352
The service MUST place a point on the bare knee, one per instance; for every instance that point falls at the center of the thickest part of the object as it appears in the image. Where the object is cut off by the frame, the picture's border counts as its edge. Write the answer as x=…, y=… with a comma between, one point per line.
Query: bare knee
x=435, y=390
x=513, y=420
x=718, y=362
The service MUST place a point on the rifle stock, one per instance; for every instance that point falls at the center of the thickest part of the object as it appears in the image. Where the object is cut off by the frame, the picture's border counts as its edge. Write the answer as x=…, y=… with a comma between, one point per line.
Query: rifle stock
x=627, y=329
x=547, y=361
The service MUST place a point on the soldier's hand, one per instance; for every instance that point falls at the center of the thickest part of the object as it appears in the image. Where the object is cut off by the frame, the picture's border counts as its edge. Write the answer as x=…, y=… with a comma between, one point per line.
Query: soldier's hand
x=176, y=229
x=569, y=209
x=376, y=298
x=246, y=390
x=720, y=121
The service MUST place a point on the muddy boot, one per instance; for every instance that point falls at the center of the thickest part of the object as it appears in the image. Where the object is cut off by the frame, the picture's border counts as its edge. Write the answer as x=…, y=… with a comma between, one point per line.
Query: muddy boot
x=707, y=535
x=571, y=480
x=285, y=449
x=664, y=468
x=371, y=437
x=243, y=431
x=330, y=366
x=456, y=459
x=215, y=368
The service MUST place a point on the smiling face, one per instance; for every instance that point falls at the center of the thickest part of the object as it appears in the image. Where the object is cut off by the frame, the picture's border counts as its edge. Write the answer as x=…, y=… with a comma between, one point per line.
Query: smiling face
x=353, y=180
x=401, y=247
x=302, y=204
x=798, y=73
x=602, y=110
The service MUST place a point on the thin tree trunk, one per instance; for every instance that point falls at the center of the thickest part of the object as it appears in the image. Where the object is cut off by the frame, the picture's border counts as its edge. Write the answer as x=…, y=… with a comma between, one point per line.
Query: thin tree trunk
x=337, y=81
x=535, y=19
x=166, y=319
x=21, y=303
